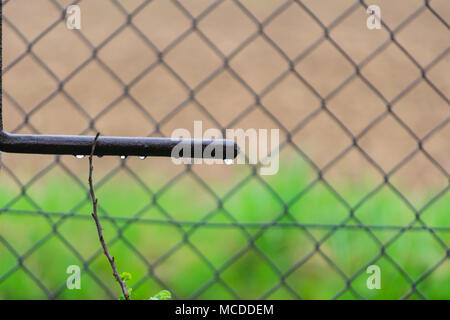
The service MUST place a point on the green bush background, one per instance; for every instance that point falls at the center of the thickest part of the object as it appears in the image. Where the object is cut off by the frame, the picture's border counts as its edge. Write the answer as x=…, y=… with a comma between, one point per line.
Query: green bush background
x=347, y=250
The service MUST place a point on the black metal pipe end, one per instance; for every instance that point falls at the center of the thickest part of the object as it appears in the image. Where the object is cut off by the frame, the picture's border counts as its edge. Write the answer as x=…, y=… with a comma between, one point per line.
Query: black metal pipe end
x=118, y=146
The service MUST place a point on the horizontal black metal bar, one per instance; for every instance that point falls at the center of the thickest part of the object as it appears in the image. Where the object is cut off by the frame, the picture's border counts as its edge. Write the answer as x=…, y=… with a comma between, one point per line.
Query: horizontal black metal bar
x=117, y=146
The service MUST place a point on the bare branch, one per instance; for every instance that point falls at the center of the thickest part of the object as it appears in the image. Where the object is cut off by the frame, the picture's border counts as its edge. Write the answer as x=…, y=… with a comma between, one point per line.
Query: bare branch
x=99, y=226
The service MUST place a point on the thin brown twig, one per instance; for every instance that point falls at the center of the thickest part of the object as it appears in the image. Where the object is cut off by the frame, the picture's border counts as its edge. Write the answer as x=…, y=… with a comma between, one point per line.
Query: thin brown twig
x=99, y=226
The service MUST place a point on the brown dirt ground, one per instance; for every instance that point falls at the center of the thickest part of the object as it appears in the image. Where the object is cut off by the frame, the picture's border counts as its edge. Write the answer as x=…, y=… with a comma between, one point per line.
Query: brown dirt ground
x=258, y=64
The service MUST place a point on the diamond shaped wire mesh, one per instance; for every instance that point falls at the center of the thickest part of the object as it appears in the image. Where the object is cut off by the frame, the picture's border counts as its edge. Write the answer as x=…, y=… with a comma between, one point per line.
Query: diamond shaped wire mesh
x=351, y=107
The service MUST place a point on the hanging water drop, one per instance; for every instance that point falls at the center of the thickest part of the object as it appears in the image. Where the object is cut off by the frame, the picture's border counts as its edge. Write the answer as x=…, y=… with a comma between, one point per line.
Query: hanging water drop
x=79, y=156
x=228, y=162
x=123, y=157
x=142, y=157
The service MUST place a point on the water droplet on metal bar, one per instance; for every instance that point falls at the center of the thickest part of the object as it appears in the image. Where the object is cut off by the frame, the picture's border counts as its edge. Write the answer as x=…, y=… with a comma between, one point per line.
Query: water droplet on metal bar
x=228, y=162
x=142, y=157
x=79, y=156
x=123, y=157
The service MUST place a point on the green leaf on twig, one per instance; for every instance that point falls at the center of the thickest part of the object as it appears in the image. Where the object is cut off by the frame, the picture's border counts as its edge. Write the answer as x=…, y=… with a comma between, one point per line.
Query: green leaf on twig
x=162, y=295
x=125, y=276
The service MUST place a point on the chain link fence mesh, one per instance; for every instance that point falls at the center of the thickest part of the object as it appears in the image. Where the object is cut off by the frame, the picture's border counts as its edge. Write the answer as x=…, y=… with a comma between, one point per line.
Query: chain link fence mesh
x=363, y=115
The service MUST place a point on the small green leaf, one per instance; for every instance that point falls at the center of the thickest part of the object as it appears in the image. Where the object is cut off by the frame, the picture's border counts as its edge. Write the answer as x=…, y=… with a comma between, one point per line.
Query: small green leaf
x=125, y=276
x=162, y=295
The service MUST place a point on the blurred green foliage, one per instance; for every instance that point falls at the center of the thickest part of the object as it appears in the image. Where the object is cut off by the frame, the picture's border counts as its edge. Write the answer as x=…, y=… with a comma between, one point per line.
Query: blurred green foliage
x=286, y=249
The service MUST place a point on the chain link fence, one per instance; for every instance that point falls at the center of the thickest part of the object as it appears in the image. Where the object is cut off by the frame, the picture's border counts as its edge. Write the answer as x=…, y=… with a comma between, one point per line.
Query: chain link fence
x=350, y=102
